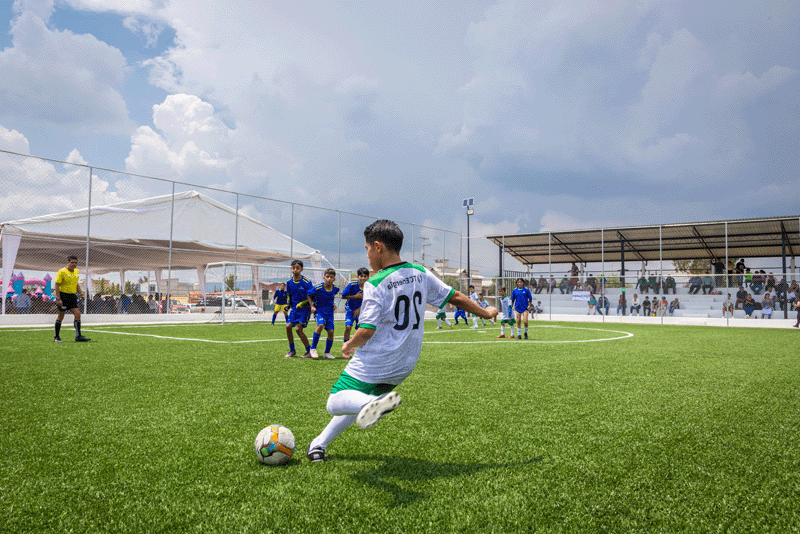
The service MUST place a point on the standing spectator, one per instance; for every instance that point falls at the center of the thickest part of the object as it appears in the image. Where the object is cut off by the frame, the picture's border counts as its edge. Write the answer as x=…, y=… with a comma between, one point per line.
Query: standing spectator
x=152, y=304
x=22, y=302
x=797, y=305
x=635, y=305
x=727, y=306
x=767, y=305
x=740, y=270
x=647, y=307
x=573, y=281
x=719, y=269
x=125, y=303
x=708, y=283
x=748, y=277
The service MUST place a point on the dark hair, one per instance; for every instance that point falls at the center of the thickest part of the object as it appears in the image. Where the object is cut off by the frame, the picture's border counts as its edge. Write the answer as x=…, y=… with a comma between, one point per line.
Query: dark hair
x=471, y=286
x=330, y=270
x=70, y=258
x=362, y=270
x=297, y=262
x=385, y=231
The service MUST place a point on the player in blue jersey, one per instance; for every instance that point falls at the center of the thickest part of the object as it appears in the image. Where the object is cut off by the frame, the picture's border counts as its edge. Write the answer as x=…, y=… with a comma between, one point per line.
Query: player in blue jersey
x=300, y=309
x=521, y=298
x=461, y=313
x=322, y=298
x=353, y=293
x=280, y=299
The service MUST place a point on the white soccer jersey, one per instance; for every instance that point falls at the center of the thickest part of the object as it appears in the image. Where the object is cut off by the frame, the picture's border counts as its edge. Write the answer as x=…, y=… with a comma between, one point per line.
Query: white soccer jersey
x=394, y=306
x=505, y=308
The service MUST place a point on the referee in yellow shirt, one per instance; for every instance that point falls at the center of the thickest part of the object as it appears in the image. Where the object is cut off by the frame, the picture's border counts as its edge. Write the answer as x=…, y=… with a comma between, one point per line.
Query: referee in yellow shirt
x=68, y=292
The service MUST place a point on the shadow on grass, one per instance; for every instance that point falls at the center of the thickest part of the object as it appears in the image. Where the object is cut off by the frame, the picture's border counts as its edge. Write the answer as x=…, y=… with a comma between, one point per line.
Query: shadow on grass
x=414, y=469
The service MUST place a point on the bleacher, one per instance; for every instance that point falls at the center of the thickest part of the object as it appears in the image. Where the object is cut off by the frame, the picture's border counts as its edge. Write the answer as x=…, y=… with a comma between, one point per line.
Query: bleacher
x=694, y=308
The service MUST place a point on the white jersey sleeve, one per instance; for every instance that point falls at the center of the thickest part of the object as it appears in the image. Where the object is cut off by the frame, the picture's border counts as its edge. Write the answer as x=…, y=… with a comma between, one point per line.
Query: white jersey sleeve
x=394, y=306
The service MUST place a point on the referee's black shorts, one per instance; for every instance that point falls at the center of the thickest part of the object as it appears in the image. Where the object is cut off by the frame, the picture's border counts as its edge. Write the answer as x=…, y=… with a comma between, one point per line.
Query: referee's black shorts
x=68, y=301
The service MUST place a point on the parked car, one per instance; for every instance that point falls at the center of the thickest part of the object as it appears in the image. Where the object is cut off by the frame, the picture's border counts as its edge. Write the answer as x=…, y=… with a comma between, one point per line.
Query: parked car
x=177, y=307
x=214, y=305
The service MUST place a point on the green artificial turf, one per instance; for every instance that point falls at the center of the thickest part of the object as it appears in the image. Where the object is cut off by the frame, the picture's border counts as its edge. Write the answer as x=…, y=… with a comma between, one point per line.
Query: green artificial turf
x=672, y=429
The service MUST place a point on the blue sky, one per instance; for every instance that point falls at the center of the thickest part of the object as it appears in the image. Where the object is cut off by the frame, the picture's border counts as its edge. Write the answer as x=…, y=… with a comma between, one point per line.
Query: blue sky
x=552, y=114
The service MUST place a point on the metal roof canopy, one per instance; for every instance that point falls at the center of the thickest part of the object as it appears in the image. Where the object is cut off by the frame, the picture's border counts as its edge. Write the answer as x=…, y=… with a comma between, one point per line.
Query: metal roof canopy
x=746, y=238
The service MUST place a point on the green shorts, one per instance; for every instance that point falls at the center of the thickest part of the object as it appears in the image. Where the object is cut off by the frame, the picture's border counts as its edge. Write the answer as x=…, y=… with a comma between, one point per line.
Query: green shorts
x=512, y=322
x=348, y=382
x=441, y=316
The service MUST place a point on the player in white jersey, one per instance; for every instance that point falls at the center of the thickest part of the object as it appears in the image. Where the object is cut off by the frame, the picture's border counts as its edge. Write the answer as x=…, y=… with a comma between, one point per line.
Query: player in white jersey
x=473, y=296
x=506, y=315
x=387, y=344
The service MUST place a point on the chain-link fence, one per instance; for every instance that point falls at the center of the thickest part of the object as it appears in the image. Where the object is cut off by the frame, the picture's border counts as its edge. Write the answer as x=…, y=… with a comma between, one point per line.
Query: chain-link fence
x=142, y=243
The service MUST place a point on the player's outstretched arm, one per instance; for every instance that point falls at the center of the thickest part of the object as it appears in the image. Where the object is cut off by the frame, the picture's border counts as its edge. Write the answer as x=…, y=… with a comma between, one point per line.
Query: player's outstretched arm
x=462, y=301
x=359, y=339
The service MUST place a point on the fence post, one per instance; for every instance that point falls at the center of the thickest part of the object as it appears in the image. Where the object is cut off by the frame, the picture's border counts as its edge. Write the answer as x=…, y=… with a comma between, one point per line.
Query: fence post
x=88, y=237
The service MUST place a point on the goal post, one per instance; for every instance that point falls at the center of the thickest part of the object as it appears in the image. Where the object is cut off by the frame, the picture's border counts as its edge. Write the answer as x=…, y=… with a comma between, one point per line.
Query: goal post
x=247, y=289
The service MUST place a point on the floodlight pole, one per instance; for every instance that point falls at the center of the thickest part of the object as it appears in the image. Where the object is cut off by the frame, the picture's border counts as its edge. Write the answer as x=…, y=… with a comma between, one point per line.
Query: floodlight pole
x=468, y=202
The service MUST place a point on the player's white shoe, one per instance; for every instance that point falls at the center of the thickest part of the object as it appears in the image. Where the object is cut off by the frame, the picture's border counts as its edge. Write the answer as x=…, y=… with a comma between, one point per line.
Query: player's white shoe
x=373, y=411
x=473, y=327
x=328, y=356
x=314, y=353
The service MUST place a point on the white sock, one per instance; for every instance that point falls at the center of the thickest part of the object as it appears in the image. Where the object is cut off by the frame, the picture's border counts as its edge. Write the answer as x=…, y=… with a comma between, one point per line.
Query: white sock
x=475, y=321
x=526, y=329
x=338, y=424
x=518, y=333
x=439, y=322
x=448, y=323
x=348, y=401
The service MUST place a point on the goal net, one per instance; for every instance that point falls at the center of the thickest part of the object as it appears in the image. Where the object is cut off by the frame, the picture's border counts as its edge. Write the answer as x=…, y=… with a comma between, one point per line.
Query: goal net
x=245, y=291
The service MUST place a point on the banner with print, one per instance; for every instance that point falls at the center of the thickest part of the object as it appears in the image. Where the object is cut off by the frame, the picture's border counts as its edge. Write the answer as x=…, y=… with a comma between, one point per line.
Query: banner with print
x=581, y=295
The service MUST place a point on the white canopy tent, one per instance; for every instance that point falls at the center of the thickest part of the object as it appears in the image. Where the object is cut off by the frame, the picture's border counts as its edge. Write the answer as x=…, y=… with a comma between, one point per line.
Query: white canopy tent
x=182, y=231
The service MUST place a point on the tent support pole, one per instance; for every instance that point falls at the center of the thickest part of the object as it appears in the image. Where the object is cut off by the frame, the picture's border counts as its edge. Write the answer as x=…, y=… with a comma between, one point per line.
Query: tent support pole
x=88, y=237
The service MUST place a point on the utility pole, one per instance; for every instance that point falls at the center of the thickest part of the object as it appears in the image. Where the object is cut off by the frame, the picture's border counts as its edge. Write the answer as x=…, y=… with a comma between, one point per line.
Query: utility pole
x=424, y=244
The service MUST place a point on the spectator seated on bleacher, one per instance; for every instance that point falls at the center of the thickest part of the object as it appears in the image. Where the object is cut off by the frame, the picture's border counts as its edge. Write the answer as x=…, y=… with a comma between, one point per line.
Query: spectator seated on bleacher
x=542, y=284
x=563, y=286
x=663, y=305
x=771, y=284
x=592, y=281
x=651, y=283
x=740, y=296
x=647, y=307
x=727, y=306
x=656, y=306
x=643, y=285
x=621, y=303
x=749, y=306
x=757, y=285
x=674, y=305
x=603, y=304
x=767, y=305
x=636, y=306
x=670, y=284
x=695, y=283
x=708, y=283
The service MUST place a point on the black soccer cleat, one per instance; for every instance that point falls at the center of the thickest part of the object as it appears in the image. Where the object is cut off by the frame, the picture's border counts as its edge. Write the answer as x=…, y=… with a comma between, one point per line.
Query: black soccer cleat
x=316, y=454
x=81, y=338
x=57, y=340
x=526, y=335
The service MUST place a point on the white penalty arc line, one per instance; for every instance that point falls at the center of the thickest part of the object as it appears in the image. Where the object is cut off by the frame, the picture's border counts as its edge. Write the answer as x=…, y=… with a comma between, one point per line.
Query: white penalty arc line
x=623, y=336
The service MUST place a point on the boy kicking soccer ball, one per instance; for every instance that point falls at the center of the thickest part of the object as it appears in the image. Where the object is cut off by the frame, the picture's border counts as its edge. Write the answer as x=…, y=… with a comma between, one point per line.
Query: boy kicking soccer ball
x=387, y=344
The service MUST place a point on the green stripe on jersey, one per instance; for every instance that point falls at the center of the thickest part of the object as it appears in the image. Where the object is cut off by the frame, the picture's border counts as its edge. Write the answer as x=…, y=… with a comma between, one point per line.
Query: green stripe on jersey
x=379, y=277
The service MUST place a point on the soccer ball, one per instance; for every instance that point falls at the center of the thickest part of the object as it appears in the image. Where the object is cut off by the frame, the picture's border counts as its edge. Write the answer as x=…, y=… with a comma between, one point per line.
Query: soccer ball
x=275, y=445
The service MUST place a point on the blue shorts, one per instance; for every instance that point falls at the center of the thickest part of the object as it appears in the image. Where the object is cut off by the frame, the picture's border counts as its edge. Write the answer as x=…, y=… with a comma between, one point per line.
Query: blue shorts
x=325, y=319
x=300, y=316
x=520, y=311
x=349, y=318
